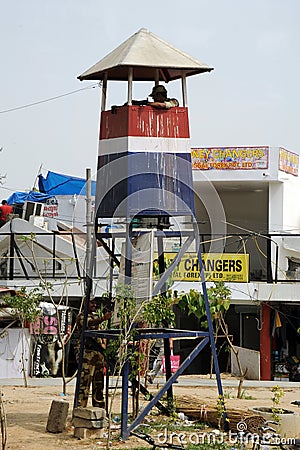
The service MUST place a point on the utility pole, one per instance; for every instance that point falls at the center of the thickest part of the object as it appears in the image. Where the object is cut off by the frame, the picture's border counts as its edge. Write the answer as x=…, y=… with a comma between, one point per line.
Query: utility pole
x=89, y=221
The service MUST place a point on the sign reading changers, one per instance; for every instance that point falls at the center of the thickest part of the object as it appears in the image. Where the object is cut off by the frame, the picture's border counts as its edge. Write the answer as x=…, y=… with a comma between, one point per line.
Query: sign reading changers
x=230, y=158
x=224, y=267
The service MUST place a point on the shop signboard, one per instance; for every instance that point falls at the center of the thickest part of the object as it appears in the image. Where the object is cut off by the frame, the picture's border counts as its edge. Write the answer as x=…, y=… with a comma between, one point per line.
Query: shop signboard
x=51, y=208
x=288, y=162
x=233, y=267
x=230, y=158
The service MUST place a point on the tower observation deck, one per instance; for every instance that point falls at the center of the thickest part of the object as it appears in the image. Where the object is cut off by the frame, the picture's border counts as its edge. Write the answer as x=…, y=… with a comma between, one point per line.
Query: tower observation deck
x=144, y=165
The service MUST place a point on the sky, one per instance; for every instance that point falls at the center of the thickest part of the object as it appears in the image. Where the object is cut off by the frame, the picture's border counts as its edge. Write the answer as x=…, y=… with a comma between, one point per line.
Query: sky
x=251, y=97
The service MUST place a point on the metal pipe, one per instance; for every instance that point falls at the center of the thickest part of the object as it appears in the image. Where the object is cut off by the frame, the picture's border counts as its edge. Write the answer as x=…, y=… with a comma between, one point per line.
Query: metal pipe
x=20, y=259
x=54, y=254
x=11, y=256
x=124, y=403
x=161, y=262
x=89, y=223
x=130, y=78
x=125, y=371
x=104, y=92
x=75, y=255
x=108, y=250
x=184, y=90
x=269, y=259
x=156, y=77
x=276, y=264
x=173, y=265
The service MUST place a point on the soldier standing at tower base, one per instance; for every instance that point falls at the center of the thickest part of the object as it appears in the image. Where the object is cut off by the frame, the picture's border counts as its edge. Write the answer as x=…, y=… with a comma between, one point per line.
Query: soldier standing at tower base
x=92, y=371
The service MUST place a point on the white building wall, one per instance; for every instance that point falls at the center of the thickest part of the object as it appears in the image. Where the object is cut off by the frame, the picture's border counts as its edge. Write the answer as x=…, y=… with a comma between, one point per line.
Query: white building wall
x=275, y=207
x=72, y=210
x=290, y=204
x=11, y=349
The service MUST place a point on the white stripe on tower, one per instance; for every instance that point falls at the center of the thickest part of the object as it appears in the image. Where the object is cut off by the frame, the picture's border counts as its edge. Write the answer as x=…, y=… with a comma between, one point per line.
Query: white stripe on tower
x=143, y=145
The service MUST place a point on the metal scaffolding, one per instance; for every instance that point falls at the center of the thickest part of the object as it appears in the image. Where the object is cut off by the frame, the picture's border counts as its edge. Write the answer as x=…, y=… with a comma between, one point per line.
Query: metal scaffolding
x=206, y=338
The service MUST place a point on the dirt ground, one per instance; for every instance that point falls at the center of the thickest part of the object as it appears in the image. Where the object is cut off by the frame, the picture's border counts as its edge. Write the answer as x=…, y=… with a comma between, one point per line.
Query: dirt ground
x=27, y=411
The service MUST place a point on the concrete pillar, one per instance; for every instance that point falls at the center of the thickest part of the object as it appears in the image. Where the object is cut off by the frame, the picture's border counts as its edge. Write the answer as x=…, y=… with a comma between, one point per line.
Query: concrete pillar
x=265, y=343
x=57, y=416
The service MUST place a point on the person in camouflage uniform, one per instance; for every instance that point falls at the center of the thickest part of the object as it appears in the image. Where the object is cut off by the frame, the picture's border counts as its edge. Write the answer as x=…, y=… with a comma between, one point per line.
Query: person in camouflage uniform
x=160, y=98
x=93, y=360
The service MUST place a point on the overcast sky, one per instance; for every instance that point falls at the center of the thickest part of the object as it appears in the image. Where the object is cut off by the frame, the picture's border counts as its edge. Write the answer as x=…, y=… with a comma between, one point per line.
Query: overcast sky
x=251, y=98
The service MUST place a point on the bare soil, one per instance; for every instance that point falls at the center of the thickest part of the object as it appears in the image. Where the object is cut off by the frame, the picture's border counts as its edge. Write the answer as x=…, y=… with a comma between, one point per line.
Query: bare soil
x=27, y=411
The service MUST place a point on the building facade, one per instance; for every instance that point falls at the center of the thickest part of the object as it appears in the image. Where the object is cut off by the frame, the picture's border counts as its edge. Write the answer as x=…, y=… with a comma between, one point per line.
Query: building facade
x=246, y=204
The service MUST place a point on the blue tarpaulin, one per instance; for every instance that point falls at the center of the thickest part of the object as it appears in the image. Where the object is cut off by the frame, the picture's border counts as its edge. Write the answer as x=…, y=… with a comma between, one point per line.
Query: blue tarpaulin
x=18, y=198
x=58, y=184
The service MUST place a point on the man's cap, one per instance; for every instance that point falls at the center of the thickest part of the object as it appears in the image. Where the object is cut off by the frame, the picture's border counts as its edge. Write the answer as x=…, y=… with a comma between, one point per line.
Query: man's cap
x=158, y=89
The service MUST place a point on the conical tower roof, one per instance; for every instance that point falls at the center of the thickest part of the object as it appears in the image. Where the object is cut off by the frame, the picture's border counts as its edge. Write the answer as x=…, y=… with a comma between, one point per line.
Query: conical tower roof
x=145, y=53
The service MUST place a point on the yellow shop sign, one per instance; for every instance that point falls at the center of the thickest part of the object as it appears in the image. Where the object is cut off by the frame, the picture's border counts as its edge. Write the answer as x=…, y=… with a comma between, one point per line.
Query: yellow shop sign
x=217, y=267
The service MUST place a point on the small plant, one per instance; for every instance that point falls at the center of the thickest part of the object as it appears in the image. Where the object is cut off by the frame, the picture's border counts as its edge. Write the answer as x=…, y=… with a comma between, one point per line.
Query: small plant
x=227, y=394
x=26, y=304
x=158, y=311
x=221, y=410
x=246, y=396
x=278, y=393
x=26, y=308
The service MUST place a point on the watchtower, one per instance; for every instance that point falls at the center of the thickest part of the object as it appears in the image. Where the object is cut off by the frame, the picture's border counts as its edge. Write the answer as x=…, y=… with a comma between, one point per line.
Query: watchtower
x=144, y=169
x=144, y=153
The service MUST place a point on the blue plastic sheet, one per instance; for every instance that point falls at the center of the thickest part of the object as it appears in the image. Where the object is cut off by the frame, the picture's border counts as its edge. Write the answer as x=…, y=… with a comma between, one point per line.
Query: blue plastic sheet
x=19, y=198
x=58, y=184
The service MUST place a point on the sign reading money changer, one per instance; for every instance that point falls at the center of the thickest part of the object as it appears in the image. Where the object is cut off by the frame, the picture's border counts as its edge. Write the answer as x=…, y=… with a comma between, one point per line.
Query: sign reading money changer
x=217, y=267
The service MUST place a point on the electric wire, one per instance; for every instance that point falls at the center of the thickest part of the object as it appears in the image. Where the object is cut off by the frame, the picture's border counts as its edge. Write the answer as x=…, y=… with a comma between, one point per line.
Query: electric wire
x=265, y=256
x=259, y=234
x=39, y=102
x=285, y=315
x=245, y=253
x=267, y=302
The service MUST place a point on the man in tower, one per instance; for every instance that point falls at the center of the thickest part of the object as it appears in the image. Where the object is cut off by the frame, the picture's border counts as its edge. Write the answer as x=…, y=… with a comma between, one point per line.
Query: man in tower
x=160, y=98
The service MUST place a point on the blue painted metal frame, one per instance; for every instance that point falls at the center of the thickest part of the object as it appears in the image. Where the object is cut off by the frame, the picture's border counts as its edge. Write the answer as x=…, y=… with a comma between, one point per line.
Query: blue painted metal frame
x=151, y=333
x=208, y=337
x=168, y=384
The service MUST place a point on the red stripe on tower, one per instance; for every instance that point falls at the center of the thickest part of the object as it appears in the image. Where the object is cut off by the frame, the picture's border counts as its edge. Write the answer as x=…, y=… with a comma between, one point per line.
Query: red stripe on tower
x=144, y=121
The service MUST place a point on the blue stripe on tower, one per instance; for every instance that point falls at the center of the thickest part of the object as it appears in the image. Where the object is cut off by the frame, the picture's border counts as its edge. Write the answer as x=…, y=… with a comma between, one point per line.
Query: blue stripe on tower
x=155, y=183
